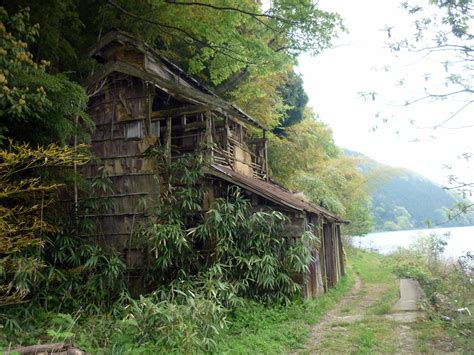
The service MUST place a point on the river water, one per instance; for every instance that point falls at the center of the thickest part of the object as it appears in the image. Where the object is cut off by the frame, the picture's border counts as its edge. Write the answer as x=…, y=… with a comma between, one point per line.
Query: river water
x=460, y=240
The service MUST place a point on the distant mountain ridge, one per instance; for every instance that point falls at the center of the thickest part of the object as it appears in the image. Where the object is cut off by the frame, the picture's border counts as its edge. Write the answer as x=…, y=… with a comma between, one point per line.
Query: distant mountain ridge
x=409, y=200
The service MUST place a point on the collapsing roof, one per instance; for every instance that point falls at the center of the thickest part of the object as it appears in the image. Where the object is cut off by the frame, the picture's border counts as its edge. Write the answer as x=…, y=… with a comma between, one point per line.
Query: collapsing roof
x=270, y=191
x=169, y=77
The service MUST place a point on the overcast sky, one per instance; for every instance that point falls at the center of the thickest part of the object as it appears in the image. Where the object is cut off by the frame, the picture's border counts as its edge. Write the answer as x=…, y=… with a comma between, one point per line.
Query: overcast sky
x=361, y=62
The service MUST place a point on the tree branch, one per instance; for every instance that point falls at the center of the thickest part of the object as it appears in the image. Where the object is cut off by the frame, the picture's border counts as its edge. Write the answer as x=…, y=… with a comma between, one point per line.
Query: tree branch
x=434, y=96
x=220, y=49
x=228, y=8
x=456, y=215
x=447, y=47
x=453, y=115
x=255, y=16
x=232, y=82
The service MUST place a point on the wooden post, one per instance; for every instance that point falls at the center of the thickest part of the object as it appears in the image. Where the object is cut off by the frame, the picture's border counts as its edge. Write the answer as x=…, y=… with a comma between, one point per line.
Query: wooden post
x=76, y=195
x=265, y=154
x=149, y=108
x=341, y=250
x=226, y=133
x=208, y=199
x=336, y=254
x=323, y=256
x=113, y=119
x=168, y=140
x=208, y=135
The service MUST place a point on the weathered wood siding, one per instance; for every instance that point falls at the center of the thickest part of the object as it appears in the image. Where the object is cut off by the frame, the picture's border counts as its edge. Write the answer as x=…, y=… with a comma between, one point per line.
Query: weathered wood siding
x=122, y=99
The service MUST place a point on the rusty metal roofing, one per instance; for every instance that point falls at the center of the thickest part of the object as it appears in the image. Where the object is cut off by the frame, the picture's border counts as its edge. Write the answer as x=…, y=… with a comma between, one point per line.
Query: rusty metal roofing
x=270, y=191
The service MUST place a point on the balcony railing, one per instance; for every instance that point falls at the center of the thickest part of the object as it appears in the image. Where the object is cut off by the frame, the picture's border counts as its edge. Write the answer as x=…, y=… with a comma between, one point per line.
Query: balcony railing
x=246, y=156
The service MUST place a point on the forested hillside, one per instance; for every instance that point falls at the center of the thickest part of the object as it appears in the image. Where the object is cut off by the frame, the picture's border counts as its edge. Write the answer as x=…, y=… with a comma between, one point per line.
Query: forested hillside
x=411, y=201
x=406, y=200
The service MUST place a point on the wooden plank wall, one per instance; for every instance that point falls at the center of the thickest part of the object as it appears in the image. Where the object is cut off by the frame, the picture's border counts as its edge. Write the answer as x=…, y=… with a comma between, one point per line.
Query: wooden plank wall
x=134, y=178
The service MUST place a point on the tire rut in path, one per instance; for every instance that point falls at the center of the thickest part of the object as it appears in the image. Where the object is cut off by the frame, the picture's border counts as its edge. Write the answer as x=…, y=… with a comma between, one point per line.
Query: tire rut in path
x=325, y=324
x=354, y=308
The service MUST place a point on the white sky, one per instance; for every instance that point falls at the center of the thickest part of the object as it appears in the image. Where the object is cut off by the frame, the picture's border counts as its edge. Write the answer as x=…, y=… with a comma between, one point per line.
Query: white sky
x=334, y=79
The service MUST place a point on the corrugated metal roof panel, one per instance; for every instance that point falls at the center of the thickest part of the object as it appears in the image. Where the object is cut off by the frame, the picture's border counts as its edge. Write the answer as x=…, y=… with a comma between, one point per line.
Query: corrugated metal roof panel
x=270, y=191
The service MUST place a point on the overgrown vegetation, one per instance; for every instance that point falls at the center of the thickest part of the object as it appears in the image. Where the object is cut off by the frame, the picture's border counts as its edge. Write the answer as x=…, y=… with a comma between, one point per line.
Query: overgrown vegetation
x=203, y=268
x=194, y=288
x=245, y=252
x=448, y=286
x=322, y=172
x=24, y=202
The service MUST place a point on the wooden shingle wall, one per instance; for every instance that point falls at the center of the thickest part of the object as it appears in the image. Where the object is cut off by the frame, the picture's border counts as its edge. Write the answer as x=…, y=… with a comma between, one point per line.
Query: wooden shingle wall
x=134, y=179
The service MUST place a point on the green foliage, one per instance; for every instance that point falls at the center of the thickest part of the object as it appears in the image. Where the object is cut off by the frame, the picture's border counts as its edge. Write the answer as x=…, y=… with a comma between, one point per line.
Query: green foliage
x=60, y=30
x=238, y=48
x=246, y=252
x=222, y=37
x=294, y=98
x=182, y=322
x=448, y=286
x=32, y=97
x=318, y=169
x=188, y=323
x=253, y=252
x=24, y=202
x=43, y=262
x=247, y=256
x=39, y=258
x=360, y=216
x=269, y=329
x=312, y=140
x=67, y=275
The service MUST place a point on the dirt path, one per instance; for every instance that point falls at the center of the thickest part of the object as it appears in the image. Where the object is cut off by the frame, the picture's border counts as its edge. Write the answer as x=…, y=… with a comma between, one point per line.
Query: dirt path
x=354, y=327
x=319, y=330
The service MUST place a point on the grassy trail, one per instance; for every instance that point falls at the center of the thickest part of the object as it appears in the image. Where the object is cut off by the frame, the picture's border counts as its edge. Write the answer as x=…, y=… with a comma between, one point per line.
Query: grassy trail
x=348, y=320
x=359, y=325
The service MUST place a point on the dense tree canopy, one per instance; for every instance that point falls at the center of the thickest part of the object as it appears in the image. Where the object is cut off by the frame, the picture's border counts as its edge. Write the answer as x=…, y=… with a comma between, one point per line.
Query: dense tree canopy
x=294, y=98
x=238, y=48
x=30, y=95
x=38, y=112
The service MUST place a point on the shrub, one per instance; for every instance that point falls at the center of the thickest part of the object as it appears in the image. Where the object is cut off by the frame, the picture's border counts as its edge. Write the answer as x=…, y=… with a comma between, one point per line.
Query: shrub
x=247, y=250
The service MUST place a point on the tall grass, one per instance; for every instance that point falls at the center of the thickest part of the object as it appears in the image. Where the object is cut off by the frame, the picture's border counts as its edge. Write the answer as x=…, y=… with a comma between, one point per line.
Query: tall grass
x=449, y=286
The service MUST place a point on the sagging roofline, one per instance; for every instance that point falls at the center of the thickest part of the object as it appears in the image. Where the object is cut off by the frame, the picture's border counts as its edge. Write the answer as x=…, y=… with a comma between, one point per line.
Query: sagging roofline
x=201, y=92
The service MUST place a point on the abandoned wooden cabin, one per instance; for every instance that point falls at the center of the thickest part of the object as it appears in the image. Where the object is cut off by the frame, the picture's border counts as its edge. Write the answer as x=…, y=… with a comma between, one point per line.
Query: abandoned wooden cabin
x=140, y=98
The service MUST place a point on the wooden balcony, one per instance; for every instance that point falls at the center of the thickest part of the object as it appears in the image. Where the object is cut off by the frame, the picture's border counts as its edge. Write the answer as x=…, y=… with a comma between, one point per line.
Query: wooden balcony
x=226, y=139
